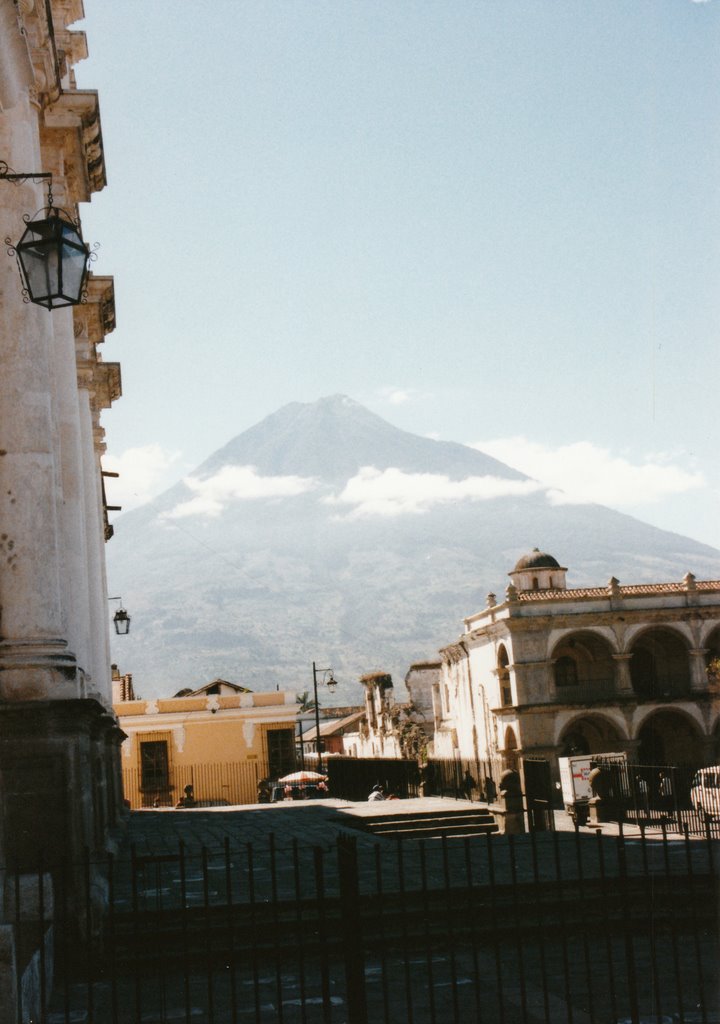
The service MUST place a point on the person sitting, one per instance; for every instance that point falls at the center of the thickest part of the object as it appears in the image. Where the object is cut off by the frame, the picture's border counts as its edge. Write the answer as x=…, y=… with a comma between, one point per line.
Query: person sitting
x=377, y=792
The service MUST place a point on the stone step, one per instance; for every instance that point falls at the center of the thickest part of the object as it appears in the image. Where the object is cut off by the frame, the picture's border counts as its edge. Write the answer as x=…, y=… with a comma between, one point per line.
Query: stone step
x=430, y=831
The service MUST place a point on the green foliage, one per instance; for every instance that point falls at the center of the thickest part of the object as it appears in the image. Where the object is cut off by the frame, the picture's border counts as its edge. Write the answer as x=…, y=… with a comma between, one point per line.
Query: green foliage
x=305, y=702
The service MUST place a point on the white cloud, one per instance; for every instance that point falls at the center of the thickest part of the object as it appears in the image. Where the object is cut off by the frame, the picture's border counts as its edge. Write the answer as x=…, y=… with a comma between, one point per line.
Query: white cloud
x=398, y=396
x=235, y=483
x=583, y=472
x=392, y=492
x=143, y=474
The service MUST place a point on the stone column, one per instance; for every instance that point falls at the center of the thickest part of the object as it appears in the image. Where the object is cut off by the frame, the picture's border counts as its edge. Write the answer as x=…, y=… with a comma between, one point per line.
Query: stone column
x=698, y=670
x=623, y=679
x=35, y=661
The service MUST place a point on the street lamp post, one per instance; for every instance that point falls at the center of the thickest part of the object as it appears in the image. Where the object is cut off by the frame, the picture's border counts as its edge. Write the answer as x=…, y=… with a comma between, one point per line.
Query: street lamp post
x=329, y=680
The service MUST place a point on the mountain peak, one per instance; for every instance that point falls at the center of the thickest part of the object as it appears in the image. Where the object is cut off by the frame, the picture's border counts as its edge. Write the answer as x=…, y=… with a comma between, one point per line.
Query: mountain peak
x=333, y=437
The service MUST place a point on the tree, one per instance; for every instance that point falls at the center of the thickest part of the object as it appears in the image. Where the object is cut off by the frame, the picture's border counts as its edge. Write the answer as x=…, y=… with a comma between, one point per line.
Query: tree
x=305, y=702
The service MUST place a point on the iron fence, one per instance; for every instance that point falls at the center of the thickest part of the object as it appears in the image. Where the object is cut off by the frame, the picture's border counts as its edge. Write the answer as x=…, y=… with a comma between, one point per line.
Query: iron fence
x=213, y=784
x=352, y=778
x=463, y=778
x=655, y=797
x=547, y=927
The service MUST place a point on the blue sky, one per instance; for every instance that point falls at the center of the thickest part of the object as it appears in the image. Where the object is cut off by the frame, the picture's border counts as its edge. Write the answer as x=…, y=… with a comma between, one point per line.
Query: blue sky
x=490, y=222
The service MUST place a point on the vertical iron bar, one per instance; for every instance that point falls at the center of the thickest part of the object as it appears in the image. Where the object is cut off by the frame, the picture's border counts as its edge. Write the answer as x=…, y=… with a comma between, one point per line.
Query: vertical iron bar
x=18, y=966
x=560, y=899
x=208, y=951
x=673, y=932
x=692, y=896
x=253, y=927
x=352, y=929
x=649, y=891
x=136, y=930
x=322, y=933
x=607, y=919
x=184, y=930
x=404, y=919
x=276, y=927
x=473, y=930
x=518, y=928
x=428, y=938
x=495, y=931
x=627, y=928
x=89, y=939
x=41, y=915
x=299, y=929
x=111, y=951
x=449, y=909
x=65, y=933
x=380, y=897
x=540, y=924
x=231, y=927
x=585, y=923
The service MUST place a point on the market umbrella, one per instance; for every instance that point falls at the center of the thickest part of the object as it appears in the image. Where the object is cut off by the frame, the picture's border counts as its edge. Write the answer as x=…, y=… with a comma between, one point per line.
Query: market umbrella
x=302, y=777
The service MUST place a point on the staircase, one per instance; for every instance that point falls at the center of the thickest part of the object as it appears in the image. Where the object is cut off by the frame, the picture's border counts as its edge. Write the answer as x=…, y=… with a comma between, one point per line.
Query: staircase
x=429, y=824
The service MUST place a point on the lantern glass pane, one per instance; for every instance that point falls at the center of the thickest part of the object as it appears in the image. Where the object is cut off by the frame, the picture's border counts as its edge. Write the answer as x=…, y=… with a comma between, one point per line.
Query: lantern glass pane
x=74, y=261
x=41, y=270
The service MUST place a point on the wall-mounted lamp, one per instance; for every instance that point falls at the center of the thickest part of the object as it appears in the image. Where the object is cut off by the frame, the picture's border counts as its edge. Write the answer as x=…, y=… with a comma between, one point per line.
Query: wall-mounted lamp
x=51, y=255
x=121, y=619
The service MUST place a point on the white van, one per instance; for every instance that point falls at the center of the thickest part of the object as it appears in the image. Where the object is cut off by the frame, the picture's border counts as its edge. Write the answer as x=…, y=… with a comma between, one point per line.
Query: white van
x=705, y=791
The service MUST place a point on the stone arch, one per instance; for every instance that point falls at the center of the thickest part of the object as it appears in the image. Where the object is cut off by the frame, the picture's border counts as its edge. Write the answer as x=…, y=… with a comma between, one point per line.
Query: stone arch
x=510, y=755
x=660, y=664
x=669, y=736
x=712, y=645
x=590, y=734
x=503, y=671
x=583, y=662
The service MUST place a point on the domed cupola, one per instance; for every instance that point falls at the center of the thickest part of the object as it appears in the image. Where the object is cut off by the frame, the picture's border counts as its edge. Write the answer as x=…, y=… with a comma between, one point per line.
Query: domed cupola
x=538, y=571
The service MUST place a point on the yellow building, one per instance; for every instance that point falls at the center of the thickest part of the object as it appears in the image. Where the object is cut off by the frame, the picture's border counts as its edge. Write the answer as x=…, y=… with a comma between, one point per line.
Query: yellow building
x=221, y=739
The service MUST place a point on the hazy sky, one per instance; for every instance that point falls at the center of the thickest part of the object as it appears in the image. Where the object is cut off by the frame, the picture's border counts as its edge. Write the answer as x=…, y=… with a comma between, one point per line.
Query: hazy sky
x=490, y=222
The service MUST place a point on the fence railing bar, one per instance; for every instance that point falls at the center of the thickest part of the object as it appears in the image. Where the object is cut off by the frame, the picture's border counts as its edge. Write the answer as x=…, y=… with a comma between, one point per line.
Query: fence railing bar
x=231, y=927
x=450, y=927
x=695, y=929
x=380, y=899
x=472, y=894
x=518, y=928
x=272, y=857
x=585, y=936
x=252, y=897
x=494, y=929
x=209, y=945
x=426, y=925
x=558, y=882
x=607, y=929
x=322, y=932
x=299, y=929
x=540, y=918
x=673, y=931
x=649, y=894
x=630, y=965
x=404, y=929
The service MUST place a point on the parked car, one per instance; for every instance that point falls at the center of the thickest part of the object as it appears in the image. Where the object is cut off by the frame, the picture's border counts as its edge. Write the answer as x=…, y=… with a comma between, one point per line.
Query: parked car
x=705, y=791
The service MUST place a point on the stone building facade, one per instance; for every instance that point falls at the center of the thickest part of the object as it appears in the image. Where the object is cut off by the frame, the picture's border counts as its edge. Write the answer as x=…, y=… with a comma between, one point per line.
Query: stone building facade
x=221, y=738
x=551, y=671
x=59, y=738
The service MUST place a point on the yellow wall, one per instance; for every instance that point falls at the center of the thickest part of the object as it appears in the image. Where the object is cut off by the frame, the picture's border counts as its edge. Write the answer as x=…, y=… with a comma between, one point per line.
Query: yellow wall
x=218, y=744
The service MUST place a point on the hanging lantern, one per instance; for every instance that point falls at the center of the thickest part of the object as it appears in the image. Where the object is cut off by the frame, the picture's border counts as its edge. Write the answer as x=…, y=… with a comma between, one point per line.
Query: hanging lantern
x=53, y=260
x=122, y=622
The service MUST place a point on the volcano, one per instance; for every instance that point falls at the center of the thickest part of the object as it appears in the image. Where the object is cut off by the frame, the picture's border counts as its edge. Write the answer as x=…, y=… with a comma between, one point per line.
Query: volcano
x=323, y=533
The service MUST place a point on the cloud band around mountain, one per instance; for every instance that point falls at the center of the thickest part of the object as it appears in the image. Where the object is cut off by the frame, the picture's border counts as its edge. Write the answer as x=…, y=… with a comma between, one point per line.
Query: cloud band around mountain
x=233, y=484
x=393, y=492
x=585, y=473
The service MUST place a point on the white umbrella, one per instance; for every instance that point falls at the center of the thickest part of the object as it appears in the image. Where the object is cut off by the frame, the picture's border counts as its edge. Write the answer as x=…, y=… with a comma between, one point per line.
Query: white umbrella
x=302, y=777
